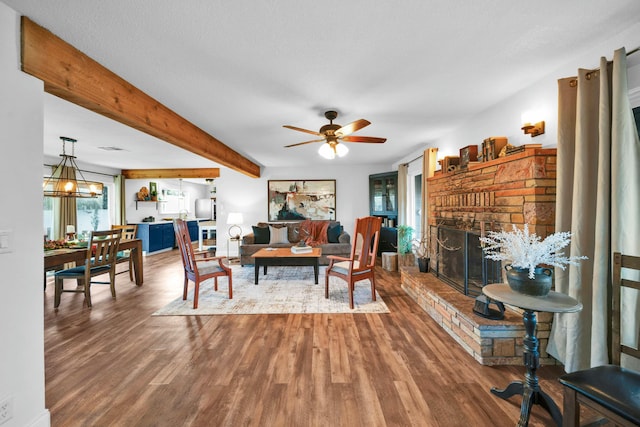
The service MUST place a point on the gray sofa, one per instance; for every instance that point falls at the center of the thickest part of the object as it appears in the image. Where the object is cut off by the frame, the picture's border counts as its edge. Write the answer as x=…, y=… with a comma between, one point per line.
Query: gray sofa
x=340, y=241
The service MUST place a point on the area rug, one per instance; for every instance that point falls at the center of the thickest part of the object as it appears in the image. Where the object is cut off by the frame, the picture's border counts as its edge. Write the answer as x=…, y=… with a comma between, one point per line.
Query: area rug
x=282, y=290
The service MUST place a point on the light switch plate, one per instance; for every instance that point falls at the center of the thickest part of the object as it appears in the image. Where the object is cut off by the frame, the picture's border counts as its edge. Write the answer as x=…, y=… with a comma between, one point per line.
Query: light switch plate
x=6, y=241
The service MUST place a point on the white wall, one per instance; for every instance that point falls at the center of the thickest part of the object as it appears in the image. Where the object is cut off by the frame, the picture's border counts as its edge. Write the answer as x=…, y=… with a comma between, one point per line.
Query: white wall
x=21, y=315
x=504, y=119
x=143, y=210
x=239, y=193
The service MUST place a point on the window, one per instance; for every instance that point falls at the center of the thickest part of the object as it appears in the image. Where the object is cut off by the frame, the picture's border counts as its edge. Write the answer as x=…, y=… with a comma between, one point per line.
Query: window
x=414, y=197
x=93, y=214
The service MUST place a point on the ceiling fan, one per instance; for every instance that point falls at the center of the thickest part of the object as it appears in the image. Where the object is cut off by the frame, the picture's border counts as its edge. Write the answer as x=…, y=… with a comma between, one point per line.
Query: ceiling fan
x=332, y=134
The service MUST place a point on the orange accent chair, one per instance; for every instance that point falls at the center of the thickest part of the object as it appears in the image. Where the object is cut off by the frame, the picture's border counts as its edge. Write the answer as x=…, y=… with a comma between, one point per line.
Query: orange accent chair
x=199, y=270
x=361, y=263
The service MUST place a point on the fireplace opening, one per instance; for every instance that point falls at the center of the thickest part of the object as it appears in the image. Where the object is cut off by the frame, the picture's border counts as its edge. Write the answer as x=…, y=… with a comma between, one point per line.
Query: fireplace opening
x=460, y=261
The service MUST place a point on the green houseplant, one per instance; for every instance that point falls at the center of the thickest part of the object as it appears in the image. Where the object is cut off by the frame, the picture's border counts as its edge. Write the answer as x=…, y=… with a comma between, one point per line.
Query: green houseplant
x=529, y=257
x=405, y=237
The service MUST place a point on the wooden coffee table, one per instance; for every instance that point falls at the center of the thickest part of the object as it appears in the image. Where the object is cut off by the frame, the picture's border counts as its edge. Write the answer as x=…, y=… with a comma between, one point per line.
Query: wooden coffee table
x=283, y=257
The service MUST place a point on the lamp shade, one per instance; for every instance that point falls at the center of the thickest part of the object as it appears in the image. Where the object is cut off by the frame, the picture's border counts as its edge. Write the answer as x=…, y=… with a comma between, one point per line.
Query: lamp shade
x=326, y=151
x=234, y=218
x=341, y=150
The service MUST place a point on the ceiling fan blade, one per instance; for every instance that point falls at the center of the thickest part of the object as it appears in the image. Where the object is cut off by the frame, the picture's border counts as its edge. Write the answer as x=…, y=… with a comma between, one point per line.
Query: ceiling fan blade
x=352, y=127
x=312, y=132
x=302, y=143
x=368, y=139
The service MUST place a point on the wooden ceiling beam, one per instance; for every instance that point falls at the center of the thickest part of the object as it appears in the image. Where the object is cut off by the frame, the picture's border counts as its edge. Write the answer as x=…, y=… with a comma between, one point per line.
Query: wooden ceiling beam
x=171, y=173
x=72, y=75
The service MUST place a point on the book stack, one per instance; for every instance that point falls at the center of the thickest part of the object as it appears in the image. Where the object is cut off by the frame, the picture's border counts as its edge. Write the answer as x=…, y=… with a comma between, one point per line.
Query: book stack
x=301, y=249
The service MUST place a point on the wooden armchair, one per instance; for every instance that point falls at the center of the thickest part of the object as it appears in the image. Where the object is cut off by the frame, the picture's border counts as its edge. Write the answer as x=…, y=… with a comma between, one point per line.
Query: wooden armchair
x=198, y=270
x=101, y=259
x=610, y=390
x=128, y=233
x=361, y=263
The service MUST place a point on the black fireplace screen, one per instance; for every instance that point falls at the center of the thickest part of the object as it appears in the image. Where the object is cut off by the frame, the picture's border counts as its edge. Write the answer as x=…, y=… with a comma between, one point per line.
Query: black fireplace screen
x=460, y=261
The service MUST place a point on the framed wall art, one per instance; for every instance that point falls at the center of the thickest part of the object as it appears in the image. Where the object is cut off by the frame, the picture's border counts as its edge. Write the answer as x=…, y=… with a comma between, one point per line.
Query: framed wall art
x=291, y=200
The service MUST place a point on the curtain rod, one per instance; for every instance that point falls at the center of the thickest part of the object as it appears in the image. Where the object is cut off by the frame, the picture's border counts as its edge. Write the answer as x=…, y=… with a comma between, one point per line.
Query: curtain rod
x=412, y=160
x=83, y=170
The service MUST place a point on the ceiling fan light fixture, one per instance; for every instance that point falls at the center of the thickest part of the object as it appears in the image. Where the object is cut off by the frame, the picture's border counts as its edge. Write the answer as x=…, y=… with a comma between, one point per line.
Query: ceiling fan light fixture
x=327, y=151
x=341, y=150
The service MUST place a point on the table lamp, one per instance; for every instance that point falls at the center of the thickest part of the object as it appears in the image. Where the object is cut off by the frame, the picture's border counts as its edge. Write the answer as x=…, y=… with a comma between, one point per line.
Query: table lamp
x=235, y=219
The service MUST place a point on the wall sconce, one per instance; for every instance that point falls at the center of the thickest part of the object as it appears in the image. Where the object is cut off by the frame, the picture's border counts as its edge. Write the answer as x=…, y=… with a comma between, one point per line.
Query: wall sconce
x=531, y=124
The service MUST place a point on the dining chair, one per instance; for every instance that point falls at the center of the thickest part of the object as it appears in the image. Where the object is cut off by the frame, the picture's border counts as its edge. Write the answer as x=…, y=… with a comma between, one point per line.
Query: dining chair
x=361, y=263
x=610, y=390
x=128, y=233
x=101, y=259
x=199, y=270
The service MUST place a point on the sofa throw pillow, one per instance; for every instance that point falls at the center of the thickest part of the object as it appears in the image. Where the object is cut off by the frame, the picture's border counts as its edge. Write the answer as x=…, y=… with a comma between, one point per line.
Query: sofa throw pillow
x=278, y=235
x=333, y=232
x=260, y=235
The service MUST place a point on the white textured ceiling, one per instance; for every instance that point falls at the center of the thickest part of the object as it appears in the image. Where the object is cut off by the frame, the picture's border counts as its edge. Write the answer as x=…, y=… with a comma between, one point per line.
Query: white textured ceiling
x=241, y=69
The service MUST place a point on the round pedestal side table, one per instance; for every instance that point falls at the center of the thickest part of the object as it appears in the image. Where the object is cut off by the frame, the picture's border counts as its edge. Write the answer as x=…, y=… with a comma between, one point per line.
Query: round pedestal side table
x=554, y=302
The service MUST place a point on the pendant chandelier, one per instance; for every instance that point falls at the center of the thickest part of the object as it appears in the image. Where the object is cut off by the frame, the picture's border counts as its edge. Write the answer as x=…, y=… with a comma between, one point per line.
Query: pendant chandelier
x=67, y=179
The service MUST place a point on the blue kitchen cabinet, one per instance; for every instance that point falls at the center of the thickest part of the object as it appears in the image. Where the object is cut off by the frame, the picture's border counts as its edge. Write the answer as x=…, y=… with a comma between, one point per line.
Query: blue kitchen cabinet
x=156, y=236
x=159, y=236
x=193, y=230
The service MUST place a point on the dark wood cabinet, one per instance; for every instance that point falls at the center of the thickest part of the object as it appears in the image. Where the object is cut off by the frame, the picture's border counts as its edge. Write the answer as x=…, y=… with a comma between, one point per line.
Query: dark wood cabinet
x=383, y=197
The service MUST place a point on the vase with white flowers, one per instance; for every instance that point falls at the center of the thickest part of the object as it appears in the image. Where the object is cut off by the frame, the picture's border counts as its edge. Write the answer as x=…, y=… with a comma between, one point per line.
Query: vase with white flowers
x=529, y=257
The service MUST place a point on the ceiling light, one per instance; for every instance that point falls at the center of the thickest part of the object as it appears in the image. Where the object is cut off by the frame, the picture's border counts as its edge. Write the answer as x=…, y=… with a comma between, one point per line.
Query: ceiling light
x=67, y=179
x=327, y=151
x=330, y=149
x=111, y=148
x=341, y=150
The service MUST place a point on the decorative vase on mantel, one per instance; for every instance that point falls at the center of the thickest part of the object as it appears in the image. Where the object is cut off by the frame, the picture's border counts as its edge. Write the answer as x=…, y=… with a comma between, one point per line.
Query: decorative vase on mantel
x=519, y=281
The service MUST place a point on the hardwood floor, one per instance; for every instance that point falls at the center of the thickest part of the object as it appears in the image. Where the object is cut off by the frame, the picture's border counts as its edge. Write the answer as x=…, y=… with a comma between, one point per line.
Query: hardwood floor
x=116, y=365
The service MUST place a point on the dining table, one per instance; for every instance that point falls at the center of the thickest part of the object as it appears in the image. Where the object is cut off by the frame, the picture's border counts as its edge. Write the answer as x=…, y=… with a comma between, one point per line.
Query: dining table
x=55, y=259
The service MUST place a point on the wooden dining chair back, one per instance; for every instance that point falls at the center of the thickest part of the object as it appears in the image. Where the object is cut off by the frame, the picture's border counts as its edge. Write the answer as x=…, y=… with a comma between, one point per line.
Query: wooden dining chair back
x=199, y=265
x=101, y=259
x=362, y=261
x=128, y=233
x=610, y=390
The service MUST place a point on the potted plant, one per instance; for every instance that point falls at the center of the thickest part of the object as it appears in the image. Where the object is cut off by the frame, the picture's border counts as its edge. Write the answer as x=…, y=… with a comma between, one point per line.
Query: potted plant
x=529, y=257
x=405, y=238
x=154, y=196
x=421, y=249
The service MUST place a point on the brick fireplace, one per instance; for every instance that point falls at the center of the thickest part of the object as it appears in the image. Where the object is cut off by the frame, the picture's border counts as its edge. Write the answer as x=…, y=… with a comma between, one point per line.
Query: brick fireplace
x=493, y=195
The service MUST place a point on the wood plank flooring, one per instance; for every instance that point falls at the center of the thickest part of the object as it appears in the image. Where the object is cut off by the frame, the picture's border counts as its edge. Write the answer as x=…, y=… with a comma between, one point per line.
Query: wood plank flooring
x=116, y=365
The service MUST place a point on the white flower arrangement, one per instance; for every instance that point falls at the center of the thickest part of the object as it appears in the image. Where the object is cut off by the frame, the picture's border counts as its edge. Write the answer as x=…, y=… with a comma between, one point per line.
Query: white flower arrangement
x=526, y=250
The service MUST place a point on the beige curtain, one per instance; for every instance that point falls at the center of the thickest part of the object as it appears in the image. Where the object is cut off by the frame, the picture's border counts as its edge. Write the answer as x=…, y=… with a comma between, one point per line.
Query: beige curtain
x=65, y=207
x=429, y=161
x=121, y=213
x=598, y=188
x=403, y=174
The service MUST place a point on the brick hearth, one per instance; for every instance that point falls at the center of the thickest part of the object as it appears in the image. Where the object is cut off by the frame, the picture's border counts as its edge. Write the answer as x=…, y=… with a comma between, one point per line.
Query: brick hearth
x=493, y=195
x=490, y=342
